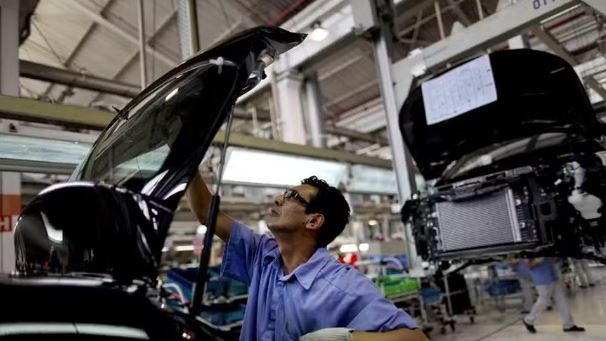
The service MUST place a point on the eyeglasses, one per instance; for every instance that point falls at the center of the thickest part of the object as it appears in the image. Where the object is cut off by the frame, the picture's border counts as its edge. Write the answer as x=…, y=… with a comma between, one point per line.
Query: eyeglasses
x=292, y=194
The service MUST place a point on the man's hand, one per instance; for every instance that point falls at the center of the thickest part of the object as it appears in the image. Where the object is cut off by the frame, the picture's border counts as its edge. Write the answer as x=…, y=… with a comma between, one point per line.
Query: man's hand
x=344, y=334
x=328, y=334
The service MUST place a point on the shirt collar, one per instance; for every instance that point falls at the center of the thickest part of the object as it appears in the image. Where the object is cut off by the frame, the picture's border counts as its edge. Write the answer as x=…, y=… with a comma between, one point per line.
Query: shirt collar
x=307, y=272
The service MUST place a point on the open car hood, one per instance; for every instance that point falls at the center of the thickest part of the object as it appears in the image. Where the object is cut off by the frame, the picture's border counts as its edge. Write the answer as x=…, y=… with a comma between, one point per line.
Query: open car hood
x=153, y=143
x=114, y=214
x=492, y=102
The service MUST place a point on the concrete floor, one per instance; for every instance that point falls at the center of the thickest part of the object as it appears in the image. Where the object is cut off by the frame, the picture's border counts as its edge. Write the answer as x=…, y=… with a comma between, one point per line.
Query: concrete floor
x=588, y=307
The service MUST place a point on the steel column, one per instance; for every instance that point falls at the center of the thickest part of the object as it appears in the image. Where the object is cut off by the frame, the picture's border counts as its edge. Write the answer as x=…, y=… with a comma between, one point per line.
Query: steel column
x=288, y=95
x=315, y=115
x=401, y=157
x=188, y=28
x=10, y=182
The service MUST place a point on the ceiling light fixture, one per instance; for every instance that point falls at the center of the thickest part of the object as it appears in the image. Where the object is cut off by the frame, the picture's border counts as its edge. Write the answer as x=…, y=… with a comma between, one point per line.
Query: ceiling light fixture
x=318, y=33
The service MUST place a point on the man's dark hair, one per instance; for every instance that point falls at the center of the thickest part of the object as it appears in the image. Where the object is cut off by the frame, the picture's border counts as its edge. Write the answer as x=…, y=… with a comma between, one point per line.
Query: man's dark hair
x=331, y=203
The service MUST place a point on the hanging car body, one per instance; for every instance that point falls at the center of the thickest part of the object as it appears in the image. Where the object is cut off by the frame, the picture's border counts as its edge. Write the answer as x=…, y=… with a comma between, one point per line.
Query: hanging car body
x=511, y=143
x=88, y=251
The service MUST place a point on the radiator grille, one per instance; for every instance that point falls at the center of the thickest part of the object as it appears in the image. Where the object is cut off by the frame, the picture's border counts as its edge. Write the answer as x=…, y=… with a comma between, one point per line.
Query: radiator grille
x=487, y=221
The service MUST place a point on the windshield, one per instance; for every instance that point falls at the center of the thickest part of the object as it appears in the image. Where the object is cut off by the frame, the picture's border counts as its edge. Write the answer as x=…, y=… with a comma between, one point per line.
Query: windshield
x=134, y=148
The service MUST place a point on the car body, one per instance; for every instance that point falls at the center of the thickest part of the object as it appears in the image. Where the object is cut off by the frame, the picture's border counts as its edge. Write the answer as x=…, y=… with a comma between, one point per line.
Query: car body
x=88, y=250
x=511, y=146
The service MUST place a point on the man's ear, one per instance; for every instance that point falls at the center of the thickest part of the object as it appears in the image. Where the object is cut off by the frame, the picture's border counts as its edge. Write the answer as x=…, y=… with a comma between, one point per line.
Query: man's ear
x=314, y=221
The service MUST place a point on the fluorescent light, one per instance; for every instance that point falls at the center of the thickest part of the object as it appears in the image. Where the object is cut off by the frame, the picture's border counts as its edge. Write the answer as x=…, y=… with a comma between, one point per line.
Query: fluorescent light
x=318, y=32
x=364, y=247
x=245, y=166
x=348, y=248
x=184, y=248
x=373, y=222
x=278, y=170
x=366, y=179
x=15, y=147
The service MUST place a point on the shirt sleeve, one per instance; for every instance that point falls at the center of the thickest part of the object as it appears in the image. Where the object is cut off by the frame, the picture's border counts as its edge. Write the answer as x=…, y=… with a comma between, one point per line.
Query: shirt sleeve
x=381, y=315
x=244, y=250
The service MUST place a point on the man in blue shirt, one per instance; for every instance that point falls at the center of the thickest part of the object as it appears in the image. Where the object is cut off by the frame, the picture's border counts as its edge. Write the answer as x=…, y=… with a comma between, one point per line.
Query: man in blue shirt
x=297, y=291
x=543, y=274
x=521, y=269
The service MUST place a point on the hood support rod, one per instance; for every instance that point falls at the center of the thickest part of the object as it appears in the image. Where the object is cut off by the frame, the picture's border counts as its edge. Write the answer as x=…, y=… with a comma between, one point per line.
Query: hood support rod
x=202, y=277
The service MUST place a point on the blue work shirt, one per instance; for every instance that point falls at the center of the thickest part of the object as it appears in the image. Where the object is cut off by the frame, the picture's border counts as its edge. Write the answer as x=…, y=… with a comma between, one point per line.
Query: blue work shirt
x=320, y=293
x=522, y=269
x=544, y=273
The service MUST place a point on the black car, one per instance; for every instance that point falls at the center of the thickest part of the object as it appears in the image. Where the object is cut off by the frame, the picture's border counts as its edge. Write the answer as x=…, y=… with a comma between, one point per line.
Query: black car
x=512, y=148
x=88, y=251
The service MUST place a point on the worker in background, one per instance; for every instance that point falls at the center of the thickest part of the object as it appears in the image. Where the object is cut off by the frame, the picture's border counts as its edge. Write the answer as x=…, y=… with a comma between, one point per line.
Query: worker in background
x=544, y=276
x=523, y=273
x=297, y=291
x=582, y=271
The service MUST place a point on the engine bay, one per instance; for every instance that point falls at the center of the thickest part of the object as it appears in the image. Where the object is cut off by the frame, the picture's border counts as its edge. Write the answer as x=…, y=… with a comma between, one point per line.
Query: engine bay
x=547, y=209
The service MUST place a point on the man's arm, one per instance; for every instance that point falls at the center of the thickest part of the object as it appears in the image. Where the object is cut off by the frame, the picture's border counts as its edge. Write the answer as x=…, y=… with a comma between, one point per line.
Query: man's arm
x=199, y=198
x=402, y=334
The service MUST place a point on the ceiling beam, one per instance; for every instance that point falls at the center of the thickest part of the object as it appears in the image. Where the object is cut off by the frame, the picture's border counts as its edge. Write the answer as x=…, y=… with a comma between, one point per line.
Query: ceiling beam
x=349, y=94
x=26, y=109
x=103, y=22
x=74, y=52
x=423, y=20
x=356, y=135
x=163, y=25
x=552, y=44
x=456, y=8
x=71, y=78
x=558, y=49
